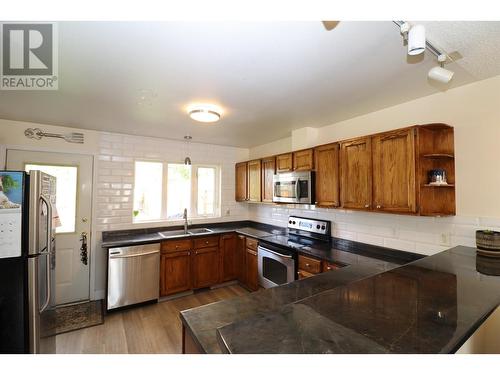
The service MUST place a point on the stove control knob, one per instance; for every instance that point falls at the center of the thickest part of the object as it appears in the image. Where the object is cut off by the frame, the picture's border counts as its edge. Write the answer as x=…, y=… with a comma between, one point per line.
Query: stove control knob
x=289, y=221
x=323, y=227
x=318, y=226
x=293, y=222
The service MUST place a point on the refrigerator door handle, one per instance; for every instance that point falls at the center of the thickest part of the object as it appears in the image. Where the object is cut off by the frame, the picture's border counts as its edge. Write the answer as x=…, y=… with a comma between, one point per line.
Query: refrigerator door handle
x=49, y=247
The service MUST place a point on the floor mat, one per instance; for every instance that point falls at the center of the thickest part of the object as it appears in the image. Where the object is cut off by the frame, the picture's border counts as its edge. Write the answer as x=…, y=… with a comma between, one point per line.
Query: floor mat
x=82, y=315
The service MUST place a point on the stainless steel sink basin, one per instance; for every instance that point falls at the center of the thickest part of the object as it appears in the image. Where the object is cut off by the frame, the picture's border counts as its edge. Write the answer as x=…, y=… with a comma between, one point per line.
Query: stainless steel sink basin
x=180, y=232
x=173, y=233
x=199, y=230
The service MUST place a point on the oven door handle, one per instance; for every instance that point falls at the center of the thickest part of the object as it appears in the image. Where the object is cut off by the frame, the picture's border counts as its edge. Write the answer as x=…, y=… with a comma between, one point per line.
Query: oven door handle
x=274, y=252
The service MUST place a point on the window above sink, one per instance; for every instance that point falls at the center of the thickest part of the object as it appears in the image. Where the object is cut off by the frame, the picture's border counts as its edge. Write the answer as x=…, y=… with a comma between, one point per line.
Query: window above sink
x=162, y=190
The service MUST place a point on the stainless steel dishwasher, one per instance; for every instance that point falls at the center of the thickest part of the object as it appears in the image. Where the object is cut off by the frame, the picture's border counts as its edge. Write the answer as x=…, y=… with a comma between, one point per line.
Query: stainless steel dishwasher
x=133, y=275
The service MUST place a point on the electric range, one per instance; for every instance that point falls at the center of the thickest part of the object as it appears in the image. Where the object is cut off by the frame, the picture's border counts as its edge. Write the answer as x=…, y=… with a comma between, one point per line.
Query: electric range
x=277, y=255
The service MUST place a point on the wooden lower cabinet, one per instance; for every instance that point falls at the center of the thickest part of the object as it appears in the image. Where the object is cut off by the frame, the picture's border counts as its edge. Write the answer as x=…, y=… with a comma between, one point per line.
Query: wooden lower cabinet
x=252, y=275
x=228, y=257
x=205, y=261
x=309, y=266
x=190, y=264
x=175, y=274
x=205, y=267
x=241, y=247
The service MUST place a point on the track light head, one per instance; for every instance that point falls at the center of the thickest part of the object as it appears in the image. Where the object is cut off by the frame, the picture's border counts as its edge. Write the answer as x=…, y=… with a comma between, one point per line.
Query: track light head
x=416, y=40
x=440, y=74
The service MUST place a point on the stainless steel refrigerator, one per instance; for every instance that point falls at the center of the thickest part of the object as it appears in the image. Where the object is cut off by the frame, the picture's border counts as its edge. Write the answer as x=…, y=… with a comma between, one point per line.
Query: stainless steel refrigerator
x=27, y=262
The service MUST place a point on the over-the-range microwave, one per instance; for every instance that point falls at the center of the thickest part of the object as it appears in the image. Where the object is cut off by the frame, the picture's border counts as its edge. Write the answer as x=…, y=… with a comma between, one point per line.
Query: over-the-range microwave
x=294, y=187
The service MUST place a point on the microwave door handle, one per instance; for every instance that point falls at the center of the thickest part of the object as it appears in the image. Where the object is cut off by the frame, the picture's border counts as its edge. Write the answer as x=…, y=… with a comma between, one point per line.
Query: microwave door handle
x=297, y=189
x=49, y=247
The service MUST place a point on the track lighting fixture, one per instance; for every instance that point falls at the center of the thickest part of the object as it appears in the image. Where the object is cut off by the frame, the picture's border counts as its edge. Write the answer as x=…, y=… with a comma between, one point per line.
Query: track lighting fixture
x=416, y=40
x=417, y=44
x=439, y=73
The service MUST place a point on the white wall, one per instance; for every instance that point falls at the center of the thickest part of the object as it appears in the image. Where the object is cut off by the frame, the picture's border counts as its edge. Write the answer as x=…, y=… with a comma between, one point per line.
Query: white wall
x=474, y=111
x=114, y=155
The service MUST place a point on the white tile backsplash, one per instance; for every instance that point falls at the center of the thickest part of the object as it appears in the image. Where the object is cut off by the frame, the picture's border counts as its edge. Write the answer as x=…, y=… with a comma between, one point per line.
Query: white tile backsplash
x=424, y=235
x=115, y=175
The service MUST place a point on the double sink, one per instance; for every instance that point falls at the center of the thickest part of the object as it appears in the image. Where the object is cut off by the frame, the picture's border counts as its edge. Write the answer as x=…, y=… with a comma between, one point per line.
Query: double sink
x=182, y=232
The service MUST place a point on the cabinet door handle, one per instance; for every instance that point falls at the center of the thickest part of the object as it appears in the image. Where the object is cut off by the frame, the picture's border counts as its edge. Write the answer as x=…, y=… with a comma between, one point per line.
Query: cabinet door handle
x=189, y=252
x=308, y=265
x=379, y=206
x=176, y=246
x=367, y=205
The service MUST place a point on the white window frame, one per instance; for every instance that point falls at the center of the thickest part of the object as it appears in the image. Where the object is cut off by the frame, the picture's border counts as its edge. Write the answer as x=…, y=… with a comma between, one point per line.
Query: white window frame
x=163, y=211
x=194, y=191
x=193, y=214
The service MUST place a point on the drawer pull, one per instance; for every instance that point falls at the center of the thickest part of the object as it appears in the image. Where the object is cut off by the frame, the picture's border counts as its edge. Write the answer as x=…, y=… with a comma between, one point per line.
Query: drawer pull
x=367, y=205
x=308, y=265
x=206, y=242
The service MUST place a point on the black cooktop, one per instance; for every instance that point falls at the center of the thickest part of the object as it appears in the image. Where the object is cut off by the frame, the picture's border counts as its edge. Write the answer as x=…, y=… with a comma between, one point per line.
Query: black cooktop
x=296, y=242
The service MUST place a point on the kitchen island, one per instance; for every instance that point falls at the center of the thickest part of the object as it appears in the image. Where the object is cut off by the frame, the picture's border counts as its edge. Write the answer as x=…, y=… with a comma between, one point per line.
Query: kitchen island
x=432, y=305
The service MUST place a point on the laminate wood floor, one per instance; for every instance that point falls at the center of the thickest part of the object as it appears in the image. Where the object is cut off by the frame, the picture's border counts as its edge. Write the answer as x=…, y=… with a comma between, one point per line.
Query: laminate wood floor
x=152, y=328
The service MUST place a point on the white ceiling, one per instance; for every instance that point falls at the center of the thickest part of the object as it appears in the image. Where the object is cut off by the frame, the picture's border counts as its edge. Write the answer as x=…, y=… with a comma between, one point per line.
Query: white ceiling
x=270, y=77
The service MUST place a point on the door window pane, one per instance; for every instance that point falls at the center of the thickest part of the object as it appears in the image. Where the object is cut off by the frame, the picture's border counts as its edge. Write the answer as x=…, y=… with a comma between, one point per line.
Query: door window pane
x=206, y=191
x=148, y=190
x=178, y=190
x=66, y=187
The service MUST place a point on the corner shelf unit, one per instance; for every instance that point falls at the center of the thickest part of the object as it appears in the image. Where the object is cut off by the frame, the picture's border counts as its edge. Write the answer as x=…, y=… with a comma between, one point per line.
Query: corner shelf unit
x=436, y=150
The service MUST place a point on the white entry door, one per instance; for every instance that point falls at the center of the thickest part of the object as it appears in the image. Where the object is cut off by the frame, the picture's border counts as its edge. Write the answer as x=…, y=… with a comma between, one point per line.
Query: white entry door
x=74, y=206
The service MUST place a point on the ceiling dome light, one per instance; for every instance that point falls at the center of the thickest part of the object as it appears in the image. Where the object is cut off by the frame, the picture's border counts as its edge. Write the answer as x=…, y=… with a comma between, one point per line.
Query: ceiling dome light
x=416, y=40
x=204, y=113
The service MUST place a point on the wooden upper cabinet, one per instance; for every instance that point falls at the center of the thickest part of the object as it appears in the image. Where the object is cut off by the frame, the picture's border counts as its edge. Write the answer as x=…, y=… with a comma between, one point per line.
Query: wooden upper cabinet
x=254, y=178
x=394, y=171
x=268, y=171
x=303, y=160
x=241, y=191
x=327, y=175
x=284, y=163
x=356, y=173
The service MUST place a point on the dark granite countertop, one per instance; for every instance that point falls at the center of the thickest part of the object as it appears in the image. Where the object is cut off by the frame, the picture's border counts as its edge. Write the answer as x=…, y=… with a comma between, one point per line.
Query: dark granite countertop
x=432, y=305
x=203, y=321
x=150, y=235
x=349, y=252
